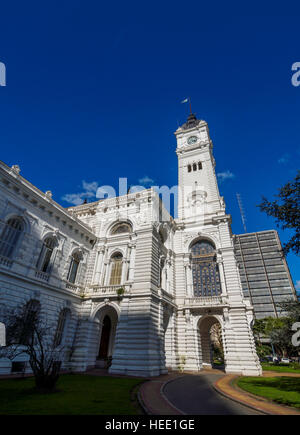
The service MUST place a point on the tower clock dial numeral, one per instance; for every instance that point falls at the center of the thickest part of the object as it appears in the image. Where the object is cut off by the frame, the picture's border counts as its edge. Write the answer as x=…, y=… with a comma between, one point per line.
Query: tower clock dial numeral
x=192, y=139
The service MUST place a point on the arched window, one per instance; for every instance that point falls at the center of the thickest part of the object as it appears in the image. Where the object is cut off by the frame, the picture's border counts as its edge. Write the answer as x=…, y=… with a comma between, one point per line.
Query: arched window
x=61, y=326
x=199, y=165
x=206, y=278
x=74, y=265
x=10, y=236
x=121, y=228
x=29, y=321
x=44, y=261
x=116, y=269
x=194, y=167
x=189, y=168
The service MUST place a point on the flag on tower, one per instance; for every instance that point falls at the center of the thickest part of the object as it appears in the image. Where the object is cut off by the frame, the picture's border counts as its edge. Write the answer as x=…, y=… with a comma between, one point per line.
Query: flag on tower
x=188, y=100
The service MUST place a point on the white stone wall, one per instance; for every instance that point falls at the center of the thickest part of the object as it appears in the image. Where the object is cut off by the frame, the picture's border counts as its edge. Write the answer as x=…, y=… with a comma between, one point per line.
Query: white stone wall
x=139, y=346
x=20, y=280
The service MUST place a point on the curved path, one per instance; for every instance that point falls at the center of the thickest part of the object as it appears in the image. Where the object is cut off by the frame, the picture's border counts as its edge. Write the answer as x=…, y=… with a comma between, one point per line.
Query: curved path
x=195, y=395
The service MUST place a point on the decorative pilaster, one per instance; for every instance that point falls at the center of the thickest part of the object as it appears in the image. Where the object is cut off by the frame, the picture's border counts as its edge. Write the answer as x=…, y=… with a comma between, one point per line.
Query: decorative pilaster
x=98, y=267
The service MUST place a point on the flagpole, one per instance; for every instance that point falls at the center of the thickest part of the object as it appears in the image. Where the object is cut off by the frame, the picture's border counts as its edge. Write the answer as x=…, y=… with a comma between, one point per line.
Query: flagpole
x=190, y=104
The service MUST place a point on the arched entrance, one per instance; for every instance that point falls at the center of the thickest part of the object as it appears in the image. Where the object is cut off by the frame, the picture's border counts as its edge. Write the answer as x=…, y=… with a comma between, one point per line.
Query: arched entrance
x=210, y=342
x=107, y=318
x=105, y=337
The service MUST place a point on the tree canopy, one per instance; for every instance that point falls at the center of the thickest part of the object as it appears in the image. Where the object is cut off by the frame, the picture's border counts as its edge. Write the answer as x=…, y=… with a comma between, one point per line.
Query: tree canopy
x=286, y=211
x=278, y=330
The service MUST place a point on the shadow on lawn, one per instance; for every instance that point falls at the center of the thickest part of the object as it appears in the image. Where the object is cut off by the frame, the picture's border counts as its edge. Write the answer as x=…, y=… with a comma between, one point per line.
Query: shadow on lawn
x=26, y=390
x=76, y=395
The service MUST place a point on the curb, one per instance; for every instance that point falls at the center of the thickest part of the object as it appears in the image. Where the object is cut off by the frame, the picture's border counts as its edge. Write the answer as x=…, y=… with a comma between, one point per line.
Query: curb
x=247, y=405
x=135, y=391
x=165, y=397
x=253, y=396
x=144, y=406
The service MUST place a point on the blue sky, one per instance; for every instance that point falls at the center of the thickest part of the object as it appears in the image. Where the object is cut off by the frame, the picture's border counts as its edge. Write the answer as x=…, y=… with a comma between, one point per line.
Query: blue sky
x=93, y=94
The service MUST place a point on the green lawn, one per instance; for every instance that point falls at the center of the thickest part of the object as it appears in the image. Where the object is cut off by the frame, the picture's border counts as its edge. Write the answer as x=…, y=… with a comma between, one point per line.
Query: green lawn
x=77, y=394
x=284, y=390
x=282, y=368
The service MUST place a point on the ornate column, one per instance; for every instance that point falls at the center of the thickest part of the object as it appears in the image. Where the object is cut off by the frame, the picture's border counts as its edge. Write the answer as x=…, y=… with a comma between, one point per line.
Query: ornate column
x=131, y=262
x=188, y=278
x=185, y=266
x=124, y=270
x=168, y=267
x=191, y=345
x=221, y=273
x=102, y=267
x=98, y=265
x=106, y=273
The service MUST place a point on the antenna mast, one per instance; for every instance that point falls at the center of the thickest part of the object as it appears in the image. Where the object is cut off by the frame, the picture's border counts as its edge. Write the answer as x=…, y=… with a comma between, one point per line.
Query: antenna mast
x=242, y=211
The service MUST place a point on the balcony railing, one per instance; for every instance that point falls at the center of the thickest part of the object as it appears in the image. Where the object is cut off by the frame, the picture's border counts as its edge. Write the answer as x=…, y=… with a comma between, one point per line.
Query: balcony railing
x=75, y=287
x=42, y=275
x=4, y=261
x=206, y=301
x=111, y=290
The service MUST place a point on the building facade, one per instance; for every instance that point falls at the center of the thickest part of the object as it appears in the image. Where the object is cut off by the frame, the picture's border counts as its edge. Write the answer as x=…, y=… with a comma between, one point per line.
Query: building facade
x=264, y=272
x=126, y=284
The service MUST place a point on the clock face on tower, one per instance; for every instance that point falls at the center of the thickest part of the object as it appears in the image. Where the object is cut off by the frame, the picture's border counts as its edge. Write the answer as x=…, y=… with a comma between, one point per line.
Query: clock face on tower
x=192, y=139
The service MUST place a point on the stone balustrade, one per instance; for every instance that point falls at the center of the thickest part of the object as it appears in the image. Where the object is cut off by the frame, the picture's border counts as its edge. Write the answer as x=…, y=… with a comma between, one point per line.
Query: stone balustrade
x=42, y=275
x=4, y=261
x=111, y=290
x=205, y=301
x=75, y=288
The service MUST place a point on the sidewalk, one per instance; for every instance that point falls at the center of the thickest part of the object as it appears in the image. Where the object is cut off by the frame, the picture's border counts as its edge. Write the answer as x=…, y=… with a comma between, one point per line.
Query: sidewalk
x=270, y=374
x=152, y=399
x=226, y=387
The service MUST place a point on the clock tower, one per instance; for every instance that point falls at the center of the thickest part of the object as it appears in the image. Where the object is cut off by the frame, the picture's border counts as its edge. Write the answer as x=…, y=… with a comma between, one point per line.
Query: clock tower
x=198, y=192
x=207, y=280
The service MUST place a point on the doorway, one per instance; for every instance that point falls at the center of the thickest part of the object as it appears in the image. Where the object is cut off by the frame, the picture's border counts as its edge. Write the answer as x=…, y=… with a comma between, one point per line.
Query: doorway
x=105, y=338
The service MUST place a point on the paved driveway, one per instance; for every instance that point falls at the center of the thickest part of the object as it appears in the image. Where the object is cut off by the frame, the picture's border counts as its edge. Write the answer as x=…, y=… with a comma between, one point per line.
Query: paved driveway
x=195, y=395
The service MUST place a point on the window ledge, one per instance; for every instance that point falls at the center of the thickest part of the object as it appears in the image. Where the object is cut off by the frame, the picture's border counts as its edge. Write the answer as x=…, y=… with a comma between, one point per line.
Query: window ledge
x=7, y=262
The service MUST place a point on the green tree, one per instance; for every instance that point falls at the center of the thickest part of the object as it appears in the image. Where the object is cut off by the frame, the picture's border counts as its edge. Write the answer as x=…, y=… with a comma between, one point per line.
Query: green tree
x=281, y=337
x=291, y=308
x=286, y=211
x=259, y=334
x=278, y=330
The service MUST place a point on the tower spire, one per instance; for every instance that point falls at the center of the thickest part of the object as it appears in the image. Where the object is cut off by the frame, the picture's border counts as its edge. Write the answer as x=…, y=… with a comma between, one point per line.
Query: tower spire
x=192, y=120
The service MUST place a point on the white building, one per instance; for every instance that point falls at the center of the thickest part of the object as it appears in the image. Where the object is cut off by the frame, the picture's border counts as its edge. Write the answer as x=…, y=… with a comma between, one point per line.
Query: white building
x=122, y=279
